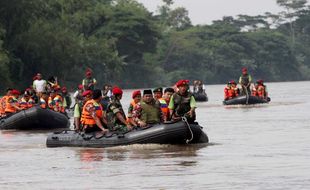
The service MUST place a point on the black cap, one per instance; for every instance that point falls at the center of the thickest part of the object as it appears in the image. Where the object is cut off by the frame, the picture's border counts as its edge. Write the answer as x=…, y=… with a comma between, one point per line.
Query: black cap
x=148, y=91
x=169, y=90
x=160, y=89
x=97, y=93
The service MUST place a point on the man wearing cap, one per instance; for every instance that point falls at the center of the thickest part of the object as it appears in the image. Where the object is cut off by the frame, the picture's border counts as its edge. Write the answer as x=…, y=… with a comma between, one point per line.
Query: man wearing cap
x=183, y=102
x=245, y=82
x=92, y=118
x=66, y=98
x=148, y=112
x=115, y=114
x=158, y=93
x=39, y=85
x=164, y=102
x=87, y=95
x=136, y=98
x=89, y=82
x=12, y=105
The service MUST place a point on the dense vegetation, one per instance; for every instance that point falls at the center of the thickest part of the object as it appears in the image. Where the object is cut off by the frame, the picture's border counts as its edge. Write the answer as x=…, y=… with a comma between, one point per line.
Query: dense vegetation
x=125, y=44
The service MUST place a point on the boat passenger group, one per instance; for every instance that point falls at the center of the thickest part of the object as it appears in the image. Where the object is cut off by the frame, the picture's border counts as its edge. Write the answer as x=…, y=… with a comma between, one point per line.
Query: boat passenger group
x=101, y=110
x=247, y=89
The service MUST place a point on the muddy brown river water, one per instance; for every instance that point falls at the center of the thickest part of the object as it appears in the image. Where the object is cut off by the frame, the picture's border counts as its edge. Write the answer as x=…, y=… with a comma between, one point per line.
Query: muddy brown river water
x=251, y=147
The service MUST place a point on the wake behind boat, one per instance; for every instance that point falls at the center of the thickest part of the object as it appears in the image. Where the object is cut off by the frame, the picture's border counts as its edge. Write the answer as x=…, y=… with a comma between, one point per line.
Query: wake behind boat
x=35, y=118
x=173, y=133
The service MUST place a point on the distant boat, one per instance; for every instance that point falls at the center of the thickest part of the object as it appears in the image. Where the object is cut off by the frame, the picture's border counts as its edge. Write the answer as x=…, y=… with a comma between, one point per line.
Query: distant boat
x=173, y=133
x=246, y=100
x=201, y=97
x=35, y=118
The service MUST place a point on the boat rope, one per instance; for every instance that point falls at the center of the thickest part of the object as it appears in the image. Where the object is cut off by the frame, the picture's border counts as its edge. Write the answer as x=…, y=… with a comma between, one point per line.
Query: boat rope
x=189, y=128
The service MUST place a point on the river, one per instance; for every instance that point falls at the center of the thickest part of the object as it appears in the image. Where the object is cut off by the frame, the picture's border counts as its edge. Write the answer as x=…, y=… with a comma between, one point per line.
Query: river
x=251, y=147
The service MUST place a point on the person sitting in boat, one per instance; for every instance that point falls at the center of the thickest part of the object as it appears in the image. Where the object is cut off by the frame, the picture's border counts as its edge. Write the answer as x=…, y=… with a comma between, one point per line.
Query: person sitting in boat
x=3, y=101
x=87, y=95
x=26, y=101
x=164, y=102
x=245, y=82
x=260, y=89
x=231, y=90
x=106, y=96
x=158, y=93
x=182, y=103
x=115, y=114
x=12, y=104
x=39, y=85
x=148, y=112
x=89, y=82
x=55, y=101
x=44, y=100
x=136, y=98
x=198, y=87
x=92, y=118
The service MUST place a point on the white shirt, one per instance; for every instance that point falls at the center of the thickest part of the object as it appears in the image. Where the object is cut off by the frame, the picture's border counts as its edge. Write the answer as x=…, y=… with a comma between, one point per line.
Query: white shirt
x=39, y=85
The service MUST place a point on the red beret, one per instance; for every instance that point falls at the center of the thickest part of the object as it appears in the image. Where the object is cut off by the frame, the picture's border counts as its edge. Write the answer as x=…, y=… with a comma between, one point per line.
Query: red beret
x=182, y=82
x=244, y=69
x=87, y=92
x=64, y=89
x=136, y=93
x=232, y=82
x=116, y=90
x=15, y=92
x=80, y=86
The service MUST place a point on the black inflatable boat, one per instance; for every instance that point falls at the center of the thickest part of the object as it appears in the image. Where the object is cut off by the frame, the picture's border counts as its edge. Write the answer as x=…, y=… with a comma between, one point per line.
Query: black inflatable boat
x=246, y=100
x=201, y=97
x=174, y=133
x=35, y=118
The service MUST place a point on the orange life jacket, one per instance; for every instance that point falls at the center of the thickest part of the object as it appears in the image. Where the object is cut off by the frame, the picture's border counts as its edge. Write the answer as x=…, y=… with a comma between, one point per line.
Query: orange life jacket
x=24, y=104
x=8, y=105
x=261, y=91
x=50, y=103
x=3, y=101
x=58, y=104
x=86, y=118
x=164, y=107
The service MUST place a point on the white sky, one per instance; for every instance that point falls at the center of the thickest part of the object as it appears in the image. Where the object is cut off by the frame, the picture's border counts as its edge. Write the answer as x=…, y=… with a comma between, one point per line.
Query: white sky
x=205, y=11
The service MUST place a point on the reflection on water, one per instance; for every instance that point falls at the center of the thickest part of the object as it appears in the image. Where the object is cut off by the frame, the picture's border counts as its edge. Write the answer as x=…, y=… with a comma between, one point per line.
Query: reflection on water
x=252, y=147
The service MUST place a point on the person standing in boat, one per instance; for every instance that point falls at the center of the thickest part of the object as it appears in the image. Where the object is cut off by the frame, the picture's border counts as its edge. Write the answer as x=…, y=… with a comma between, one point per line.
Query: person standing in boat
x=39, y=85
x=115, y=114
x=182, y=103
x=158, y=93
x=89, y=82
x=164, y=102
x=148, y=112
x=92, y=118
x=87, y=95
x=245, y=81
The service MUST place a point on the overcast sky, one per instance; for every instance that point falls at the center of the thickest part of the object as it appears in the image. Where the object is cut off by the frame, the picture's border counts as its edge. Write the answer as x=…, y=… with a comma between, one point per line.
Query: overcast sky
x=205, y=11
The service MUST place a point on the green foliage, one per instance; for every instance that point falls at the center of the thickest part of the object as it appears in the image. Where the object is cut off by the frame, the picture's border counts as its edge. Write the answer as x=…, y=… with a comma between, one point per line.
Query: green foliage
x=124, y=44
